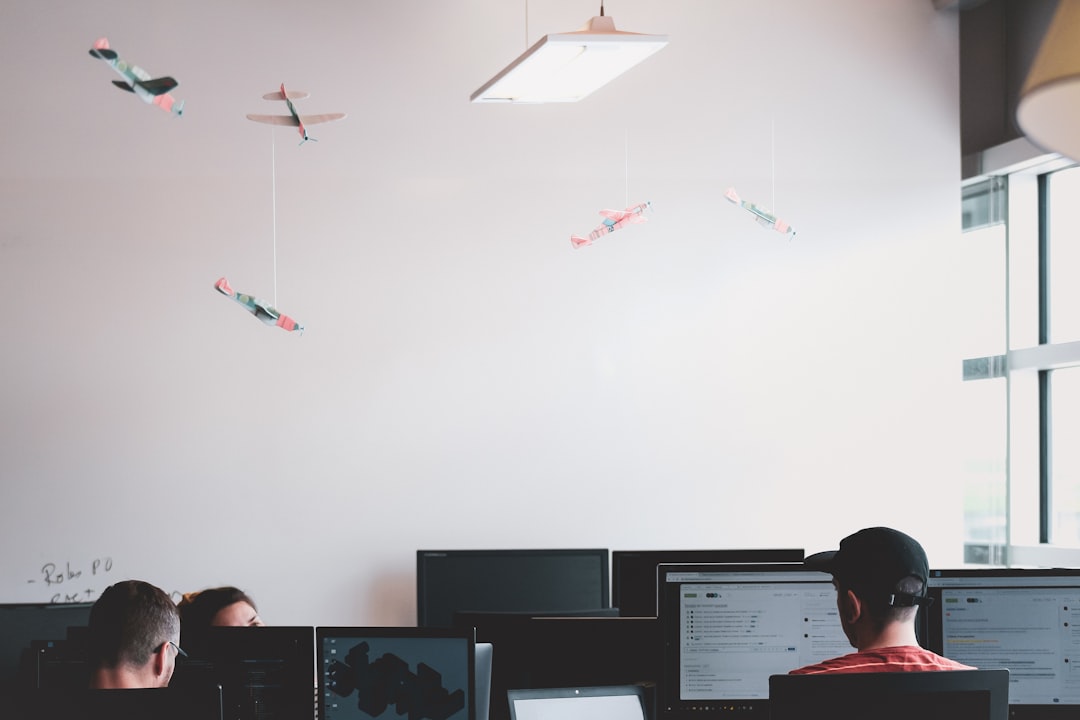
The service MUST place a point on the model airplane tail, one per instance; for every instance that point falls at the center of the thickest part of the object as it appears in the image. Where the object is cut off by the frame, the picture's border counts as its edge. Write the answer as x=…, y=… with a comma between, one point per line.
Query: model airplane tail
x=578, y=241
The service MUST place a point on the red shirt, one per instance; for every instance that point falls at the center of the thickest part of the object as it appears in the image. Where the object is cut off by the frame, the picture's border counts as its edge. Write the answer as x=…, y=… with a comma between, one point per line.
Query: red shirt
x=905, y=658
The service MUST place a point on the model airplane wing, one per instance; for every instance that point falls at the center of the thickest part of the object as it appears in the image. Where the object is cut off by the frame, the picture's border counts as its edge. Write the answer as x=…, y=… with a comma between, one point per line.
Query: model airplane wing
x=624, y=216
x=316, y=119
x=275, y=119
x=287, y=95
x=158, y=86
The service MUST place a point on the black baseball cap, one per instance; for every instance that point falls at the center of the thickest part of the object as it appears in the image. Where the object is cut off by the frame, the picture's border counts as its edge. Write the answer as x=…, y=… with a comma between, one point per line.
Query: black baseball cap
x=872, y=561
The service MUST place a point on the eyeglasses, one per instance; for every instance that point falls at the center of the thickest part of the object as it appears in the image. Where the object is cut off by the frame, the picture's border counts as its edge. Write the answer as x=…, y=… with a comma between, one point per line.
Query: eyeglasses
x=179, y=650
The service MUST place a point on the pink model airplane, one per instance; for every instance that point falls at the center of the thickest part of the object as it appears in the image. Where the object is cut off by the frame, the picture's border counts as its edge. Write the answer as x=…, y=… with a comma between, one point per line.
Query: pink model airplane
x=138, y=81
x=613, y=220
x=761, y=215
x=269, y=315
x=294, y=118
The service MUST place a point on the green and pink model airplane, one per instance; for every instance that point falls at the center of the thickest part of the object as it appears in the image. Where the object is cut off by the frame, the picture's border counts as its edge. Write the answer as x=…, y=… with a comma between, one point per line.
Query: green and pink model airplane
x=763, y=216
x=293, y=119
x=613, y=220
x=258, y=308
x=136, y=80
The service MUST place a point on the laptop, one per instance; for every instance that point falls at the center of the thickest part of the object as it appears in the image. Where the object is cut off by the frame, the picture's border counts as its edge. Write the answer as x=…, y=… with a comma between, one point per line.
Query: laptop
x=616, y=702
x=391, y=672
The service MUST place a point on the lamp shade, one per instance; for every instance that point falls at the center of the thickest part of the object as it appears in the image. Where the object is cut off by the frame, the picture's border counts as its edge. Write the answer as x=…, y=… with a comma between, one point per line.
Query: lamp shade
x=1049, y=109
x=567, y=67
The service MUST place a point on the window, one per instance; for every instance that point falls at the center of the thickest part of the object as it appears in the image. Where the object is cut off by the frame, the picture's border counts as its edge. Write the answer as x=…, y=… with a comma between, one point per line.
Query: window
x=1022, y=485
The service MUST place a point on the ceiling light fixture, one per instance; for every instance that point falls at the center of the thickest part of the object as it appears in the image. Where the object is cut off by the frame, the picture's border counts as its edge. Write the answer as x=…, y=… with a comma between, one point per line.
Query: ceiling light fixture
x=1049, y=109
x=567, y=67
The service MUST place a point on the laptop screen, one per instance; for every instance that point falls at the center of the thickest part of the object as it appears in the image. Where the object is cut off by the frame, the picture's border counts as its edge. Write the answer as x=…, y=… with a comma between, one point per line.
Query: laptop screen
x=1025, y=620
x=728, y=627
x=578, y=703
x=386, y=672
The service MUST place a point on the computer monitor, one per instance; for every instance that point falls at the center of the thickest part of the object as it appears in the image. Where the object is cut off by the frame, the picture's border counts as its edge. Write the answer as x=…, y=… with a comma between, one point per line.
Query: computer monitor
x=550, y=651
x=1022, y=619
x=727, y=628
x=944, y=695
x=508, y=580
x=624, y=702
x=266, y=673
x=21, y=624
x=424, y=673
x=633, y=572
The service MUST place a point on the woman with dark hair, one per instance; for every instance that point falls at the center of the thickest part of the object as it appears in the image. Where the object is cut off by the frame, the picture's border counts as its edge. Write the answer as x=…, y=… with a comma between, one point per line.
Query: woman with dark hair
x=216, y=607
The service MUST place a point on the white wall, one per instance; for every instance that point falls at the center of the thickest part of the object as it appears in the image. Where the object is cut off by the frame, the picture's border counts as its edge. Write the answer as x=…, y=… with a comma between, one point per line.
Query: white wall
x=467, y=379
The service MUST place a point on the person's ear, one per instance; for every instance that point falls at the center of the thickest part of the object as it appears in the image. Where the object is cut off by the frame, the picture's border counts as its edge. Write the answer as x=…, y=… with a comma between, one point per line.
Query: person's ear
x=850, y=607
x=160, y=661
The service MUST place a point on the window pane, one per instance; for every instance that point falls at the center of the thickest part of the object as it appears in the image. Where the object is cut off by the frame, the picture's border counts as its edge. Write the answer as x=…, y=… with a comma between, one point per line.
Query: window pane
x=1023, y=230
x=1065, y=455
x=1064, y=250
x=982, y=435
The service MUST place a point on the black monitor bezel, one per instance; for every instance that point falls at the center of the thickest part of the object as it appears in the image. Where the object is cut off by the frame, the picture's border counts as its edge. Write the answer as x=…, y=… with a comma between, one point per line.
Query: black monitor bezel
x=860, y=693
x=424, y=614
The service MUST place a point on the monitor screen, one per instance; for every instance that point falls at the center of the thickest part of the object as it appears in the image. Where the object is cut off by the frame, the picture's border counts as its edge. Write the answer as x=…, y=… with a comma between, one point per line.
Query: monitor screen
x=578, y=703
x=384, y=672
x=1025, y=620
x=950, y=695
x=727, y=628
x=633, y=572
x=448, y=581
x=265, y=673
x=22, y=624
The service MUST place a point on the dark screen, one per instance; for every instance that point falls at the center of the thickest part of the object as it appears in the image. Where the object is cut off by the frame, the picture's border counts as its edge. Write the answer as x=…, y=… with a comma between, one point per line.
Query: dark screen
x=946, y=695
x=448, y=581
x=265, y=673
x=23, y=624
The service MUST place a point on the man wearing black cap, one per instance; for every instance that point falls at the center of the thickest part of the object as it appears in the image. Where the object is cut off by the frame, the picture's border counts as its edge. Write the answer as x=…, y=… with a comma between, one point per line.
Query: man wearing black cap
x=880, y=577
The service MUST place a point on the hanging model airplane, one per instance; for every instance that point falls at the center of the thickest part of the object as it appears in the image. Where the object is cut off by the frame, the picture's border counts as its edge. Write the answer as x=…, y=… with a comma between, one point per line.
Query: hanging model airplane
x=269, y=315
x=293, y=119
x=138, y=81
x=761, y=215
x=613, y=220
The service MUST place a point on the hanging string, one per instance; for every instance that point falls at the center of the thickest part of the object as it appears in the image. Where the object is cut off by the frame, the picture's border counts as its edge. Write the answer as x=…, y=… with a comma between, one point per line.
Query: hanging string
x=626, y=169
x=773, y=206
x=526, y=24
x=273, y=186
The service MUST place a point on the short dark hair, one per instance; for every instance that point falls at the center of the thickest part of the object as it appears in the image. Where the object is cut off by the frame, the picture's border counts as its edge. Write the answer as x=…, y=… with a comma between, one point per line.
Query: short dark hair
x=129, y=622
x=879, y=609
x=197, y=610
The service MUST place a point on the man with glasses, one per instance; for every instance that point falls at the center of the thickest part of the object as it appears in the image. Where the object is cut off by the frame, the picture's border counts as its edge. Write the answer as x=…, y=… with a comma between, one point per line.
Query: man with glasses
x=134, y=634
